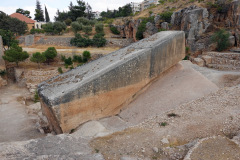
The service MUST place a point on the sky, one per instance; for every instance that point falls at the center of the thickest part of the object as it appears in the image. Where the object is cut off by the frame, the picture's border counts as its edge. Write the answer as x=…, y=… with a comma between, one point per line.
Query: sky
x=10, y=6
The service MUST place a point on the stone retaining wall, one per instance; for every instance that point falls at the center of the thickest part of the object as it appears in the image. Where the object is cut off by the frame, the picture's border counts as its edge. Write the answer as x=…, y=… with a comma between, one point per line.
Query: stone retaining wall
x=222, y=61
x=102, y=87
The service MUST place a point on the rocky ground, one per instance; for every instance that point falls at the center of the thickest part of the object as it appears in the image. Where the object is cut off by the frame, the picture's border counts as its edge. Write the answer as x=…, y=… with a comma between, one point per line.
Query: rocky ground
x=189, y=113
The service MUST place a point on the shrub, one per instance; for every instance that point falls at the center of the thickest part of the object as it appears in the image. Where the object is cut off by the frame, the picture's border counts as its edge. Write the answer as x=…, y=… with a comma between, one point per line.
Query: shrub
x=54, y=28
x=15, y=54
x=166, y=16
x=99, y=40
x=79, y=41
x=63, y=58
x=68, y=22
x=38, y=58
x=60, y=70
x=68, y=61
x=99, y=27
x=50, y=54
x=87, y=29
x=221, y=37
x=142, y=27
x=114, y=30
x=86, y=56
x=76, y=27
x=86, y=21
x=33, y=31
x=36, y=97
x=77, y=58
x=3, y=72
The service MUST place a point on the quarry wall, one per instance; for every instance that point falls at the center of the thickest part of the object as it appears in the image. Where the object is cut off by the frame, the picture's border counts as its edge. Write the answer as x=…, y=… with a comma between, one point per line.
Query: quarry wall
x=102, y=87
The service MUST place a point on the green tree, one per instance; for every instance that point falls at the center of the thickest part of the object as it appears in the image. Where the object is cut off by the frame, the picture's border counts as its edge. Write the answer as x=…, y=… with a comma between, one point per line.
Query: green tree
x=38, y=12
x=15, y=54
x=221, y=37
x=99, y=28
x=47, y=15
x=8, y=39
x=68, y=61
x=59, y=27
x=38, y=58
x=78, y=10
x=76, y=27
x=12, y=24
x=87, y=29
x=50, y=54
x=24, y=12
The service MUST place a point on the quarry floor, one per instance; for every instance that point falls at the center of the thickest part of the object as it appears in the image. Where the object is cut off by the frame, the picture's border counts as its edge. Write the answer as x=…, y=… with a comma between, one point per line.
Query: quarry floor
x=190, y=112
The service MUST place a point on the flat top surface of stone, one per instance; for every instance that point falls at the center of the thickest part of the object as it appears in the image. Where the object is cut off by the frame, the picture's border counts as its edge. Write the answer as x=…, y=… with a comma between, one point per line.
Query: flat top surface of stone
x=68, y=81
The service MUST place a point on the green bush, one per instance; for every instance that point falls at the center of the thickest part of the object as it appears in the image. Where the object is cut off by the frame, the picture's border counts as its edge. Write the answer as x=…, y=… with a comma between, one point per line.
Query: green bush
x=68, y=22
x=76, y=27
x=3, y=72
x=15, y=54
x=54, y=28
x=99, y=40
x=79, y=41
x=87, y=29
x=77, y=58
x=114, y=30
x=63, y=58
x=50, y=54
x=33, y=31
x=68, y=61
x=166, y=16
x=142, y=27
x=86, y=56
x=38, y=58
x=221, y=37
x=99, y=28
x=60, y=70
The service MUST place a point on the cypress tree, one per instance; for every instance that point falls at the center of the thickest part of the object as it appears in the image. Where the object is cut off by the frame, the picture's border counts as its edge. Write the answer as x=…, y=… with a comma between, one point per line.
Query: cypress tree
x=46, y=15
x=38, y=12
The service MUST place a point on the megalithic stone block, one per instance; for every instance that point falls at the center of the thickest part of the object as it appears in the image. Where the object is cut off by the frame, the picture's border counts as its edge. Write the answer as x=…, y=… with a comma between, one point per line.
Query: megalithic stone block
x=103, y=87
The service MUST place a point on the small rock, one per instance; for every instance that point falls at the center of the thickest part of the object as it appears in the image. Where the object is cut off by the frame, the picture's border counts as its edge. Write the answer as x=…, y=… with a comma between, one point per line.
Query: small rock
x=155, y=149
x=198, y=61
x=165, y=141
x=207, y=59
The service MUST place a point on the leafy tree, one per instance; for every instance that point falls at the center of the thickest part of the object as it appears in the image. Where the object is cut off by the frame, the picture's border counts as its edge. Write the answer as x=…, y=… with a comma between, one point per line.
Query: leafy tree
x=15, y=54
x=124, y=11
x=47, y=15
x=61, y=16
x=38, y=58
x=99, y=40
x=8, y=38
x=68, y=22
x=87, y=29
x=59, y=27
x=50, y=54
x=54, y=28
x=76, y=27
x=77, y=58
x=99, y=28
x=38, y=12
x=78, y=10
x=12, y=24
x=221, y=37
x=24, y=12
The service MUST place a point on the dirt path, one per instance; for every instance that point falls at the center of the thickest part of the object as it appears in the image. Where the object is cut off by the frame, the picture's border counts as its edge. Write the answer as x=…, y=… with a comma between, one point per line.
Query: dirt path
x=15, y=123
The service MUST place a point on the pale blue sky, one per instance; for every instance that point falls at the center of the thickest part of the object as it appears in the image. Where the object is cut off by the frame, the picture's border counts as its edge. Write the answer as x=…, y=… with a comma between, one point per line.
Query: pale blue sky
x=10, y=6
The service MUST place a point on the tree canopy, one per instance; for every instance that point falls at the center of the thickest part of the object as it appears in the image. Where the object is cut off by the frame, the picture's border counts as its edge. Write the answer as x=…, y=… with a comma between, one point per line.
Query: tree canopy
x=8, y=38
x=47, y=15
x=15, y=54
x=80, y=10
x=24, y=12
x=12, y=24
x=38, y=58
x=121, y=12
x=38, y=12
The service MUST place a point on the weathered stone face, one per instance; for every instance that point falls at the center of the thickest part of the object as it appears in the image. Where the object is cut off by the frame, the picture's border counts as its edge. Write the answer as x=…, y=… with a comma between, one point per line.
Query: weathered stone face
x=101, y=88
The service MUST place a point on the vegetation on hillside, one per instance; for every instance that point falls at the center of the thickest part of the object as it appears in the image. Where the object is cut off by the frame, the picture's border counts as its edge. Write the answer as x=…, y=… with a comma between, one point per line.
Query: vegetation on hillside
x=221, y=37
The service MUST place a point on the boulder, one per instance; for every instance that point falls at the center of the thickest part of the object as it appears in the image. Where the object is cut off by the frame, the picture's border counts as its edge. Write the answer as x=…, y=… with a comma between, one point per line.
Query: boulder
x=207, y=59
x=164, y=25
x=232, y=41
x=151, y=29
x=198, y=61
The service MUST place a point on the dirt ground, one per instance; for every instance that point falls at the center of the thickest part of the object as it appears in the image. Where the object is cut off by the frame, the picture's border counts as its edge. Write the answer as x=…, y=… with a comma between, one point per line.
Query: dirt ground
x=15, y=123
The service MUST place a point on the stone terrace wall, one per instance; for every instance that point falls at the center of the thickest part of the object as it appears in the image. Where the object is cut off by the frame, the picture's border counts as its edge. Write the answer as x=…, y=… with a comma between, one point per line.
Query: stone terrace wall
x=101, y=88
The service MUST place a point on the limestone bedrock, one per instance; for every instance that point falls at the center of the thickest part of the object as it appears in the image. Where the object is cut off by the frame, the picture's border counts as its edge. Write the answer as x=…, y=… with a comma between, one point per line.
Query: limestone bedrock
x=104, y=86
